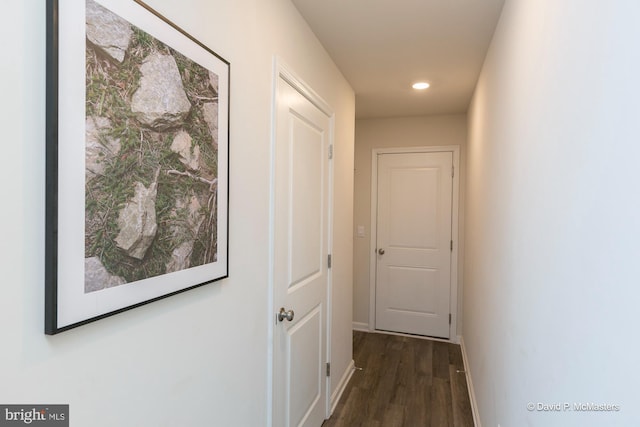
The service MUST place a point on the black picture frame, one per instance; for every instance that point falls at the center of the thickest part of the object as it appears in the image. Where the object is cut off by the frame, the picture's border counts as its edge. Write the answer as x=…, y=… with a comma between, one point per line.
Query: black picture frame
x=137, y=160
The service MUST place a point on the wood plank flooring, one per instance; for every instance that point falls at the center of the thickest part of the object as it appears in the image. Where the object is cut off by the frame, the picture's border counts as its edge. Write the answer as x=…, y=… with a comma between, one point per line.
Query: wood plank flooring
x=404, y=382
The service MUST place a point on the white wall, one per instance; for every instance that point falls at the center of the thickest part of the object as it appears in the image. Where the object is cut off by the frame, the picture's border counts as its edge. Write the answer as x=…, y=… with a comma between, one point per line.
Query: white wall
x=552, y=257
x=199, y=358
x=390, y=133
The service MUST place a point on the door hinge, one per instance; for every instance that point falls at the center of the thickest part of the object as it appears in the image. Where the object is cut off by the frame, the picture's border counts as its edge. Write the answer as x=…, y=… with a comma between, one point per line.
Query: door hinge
x=453, y=168
x=451, y=247
x=328, y=369
x=449, y=318
x=329, y=261
x=330, y=151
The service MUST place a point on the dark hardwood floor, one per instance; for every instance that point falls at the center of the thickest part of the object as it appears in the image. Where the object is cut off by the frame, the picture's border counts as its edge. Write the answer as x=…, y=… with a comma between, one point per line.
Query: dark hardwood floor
x=404, y=382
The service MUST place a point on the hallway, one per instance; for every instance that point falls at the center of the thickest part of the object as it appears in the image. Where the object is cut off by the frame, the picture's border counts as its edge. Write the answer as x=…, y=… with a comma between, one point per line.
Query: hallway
x=543, y=103
x=404, y=382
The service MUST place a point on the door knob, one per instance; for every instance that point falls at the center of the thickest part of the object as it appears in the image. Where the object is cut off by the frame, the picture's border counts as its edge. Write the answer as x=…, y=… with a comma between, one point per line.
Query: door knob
x=381, y=251
x=284, y=314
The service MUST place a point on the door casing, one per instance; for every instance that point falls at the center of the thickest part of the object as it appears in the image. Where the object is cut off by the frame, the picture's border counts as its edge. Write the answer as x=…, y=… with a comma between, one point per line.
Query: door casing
x=282, y=71
x=455, y=150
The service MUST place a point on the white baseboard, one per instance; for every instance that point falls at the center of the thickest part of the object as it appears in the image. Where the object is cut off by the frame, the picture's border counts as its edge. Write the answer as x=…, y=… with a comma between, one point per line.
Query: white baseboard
x=337, y=394
x=361, y=326
x=472, y=394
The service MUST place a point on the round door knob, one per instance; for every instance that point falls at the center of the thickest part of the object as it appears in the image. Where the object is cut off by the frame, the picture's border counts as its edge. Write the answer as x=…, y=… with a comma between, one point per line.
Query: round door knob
x=381, y=251
x=284, y=314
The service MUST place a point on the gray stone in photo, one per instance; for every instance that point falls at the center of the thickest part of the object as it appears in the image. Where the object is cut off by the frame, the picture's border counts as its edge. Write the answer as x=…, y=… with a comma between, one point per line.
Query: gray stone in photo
x=100, y=148
x=160, y=102
x=107, y=31
x=189, y=156
x=137, y=221
x=96, y=277
x=210, y=113
x=180, y=257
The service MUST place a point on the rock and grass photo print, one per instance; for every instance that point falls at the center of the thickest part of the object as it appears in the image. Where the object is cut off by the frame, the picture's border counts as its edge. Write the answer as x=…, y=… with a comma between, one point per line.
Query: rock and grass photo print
x=151, y=156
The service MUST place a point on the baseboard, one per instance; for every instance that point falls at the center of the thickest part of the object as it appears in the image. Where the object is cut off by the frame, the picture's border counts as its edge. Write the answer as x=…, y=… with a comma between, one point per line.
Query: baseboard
x=361, y=326
x=337, y=394
x=472, y=394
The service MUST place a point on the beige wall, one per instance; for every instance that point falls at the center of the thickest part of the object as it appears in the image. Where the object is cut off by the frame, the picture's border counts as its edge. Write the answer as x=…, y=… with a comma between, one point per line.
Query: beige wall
x=553, y=202
x=386, y=133
x=199, y=358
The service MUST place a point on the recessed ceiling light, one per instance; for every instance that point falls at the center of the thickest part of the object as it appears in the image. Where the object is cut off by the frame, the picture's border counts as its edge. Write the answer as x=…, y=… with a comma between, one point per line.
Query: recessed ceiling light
x=420, y=85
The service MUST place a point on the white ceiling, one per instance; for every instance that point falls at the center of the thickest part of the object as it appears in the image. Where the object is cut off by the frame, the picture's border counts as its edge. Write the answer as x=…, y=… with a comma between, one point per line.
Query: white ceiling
x=383, y=46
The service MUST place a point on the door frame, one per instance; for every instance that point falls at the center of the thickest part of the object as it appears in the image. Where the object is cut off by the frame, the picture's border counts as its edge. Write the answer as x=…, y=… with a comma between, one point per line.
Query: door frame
x=282, y=71
x=453, y=301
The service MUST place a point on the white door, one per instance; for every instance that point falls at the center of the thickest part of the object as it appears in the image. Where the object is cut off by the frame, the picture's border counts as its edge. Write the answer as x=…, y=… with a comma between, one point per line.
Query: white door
x=301, y=229
x=413, y=259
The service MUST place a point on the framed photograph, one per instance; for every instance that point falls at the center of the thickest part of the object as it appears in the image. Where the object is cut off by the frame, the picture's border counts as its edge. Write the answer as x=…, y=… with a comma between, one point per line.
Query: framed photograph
x=137, y=160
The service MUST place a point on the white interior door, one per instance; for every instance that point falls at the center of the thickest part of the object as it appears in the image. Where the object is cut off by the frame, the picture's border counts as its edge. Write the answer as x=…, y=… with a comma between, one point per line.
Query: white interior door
x=414, y=238
x=301, y=227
